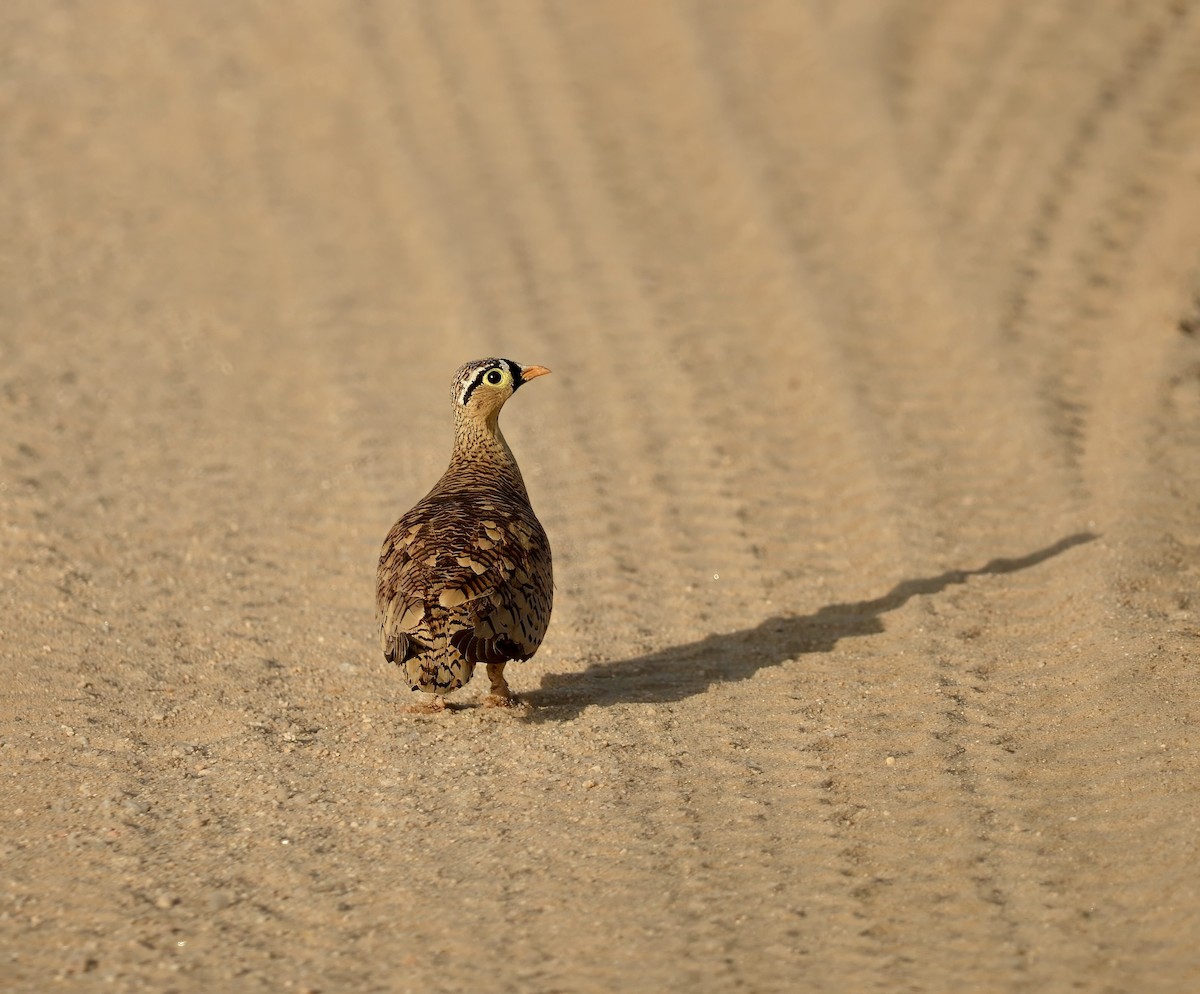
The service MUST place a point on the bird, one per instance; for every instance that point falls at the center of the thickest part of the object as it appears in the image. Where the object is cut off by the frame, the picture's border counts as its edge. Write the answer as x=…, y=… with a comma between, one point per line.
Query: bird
x=465, y=576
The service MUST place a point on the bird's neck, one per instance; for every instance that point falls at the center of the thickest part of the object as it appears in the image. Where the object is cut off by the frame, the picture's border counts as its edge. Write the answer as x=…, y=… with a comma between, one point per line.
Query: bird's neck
x=480, y=444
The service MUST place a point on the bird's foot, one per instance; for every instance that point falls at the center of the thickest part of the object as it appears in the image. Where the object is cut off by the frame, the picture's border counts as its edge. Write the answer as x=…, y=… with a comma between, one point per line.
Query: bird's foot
x=430, y=705
x=501, y=696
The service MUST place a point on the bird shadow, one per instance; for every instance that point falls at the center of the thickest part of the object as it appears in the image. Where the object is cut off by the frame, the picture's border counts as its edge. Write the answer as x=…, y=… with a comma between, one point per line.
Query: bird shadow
x=680, y=671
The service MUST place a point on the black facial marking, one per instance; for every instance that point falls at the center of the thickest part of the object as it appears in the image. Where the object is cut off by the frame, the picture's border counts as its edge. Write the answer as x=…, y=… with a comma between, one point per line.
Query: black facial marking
x=516, y=373
x=475, y=381
x=482, y=375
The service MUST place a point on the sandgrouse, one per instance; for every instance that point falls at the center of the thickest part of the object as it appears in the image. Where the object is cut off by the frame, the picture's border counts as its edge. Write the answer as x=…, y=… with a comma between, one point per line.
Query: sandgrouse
x=465, y=576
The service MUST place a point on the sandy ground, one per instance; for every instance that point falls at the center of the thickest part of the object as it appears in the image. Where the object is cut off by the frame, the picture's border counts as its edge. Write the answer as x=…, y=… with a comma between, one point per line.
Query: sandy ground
x=870, y=467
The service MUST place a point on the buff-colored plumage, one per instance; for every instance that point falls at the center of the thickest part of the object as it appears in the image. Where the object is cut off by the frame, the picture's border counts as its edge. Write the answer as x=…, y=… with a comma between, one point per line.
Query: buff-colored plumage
x=465, y=576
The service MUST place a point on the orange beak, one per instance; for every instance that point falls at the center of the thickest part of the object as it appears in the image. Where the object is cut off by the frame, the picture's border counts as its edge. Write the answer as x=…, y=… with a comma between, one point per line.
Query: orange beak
x=529, y=372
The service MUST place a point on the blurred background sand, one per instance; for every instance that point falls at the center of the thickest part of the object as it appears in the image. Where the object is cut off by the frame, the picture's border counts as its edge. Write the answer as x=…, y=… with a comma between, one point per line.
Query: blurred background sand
x=869, y=463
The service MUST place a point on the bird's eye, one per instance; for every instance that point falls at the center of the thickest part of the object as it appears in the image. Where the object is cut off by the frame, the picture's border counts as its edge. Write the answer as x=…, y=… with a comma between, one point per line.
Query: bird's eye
x=494, y=377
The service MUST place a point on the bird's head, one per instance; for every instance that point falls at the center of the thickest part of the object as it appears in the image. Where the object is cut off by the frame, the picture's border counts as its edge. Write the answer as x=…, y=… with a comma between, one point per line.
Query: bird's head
x=481, y=387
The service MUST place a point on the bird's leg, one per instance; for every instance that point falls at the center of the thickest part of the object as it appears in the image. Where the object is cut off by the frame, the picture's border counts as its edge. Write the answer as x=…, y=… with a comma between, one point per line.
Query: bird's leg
x=501, y=696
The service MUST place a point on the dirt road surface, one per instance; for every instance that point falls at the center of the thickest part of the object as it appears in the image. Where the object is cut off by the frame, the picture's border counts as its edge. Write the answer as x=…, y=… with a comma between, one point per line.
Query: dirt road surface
x=870, y=464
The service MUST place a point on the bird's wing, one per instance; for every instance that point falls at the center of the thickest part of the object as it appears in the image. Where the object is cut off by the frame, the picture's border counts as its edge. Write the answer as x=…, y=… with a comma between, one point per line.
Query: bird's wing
x=508, y=620
x=400, y=593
